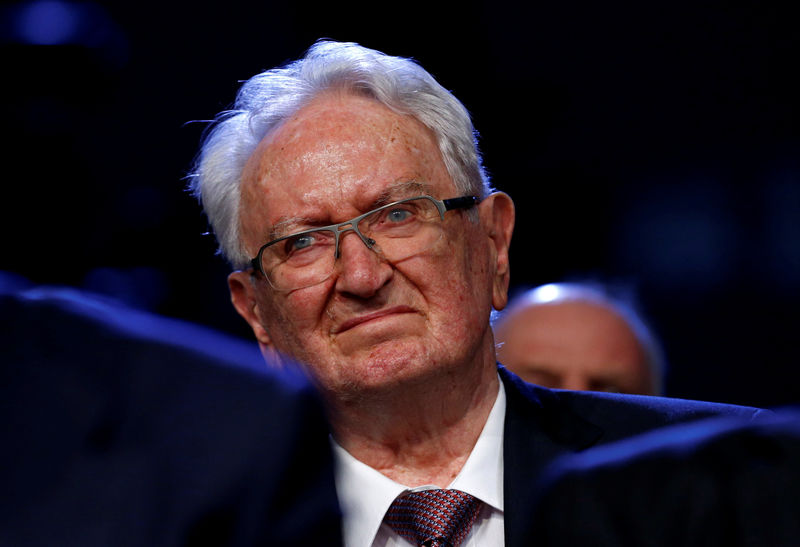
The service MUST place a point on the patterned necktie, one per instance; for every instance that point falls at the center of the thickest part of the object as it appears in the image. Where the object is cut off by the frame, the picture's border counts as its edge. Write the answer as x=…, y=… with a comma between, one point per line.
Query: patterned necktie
x=435, y=518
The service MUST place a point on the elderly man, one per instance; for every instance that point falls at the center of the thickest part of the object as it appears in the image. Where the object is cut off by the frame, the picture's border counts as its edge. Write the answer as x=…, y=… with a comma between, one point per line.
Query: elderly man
x=577, y=336
x=347, y=191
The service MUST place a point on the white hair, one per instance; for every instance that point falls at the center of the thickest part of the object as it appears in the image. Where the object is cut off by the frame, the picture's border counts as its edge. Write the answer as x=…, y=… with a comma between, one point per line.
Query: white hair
x=267, y=99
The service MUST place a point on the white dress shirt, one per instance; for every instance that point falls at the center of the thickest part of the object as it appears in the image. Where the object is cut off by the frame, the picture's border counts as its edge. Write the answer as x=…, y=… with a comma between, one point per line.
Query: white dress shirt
x=365, y=494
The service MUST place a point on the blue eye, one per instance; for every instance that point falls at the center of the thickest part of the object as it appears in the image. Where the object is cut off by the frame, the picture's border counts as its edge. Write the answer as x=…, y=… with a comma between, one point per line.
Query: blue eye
x=398, y=215
x=303, y=241
x=294, y=244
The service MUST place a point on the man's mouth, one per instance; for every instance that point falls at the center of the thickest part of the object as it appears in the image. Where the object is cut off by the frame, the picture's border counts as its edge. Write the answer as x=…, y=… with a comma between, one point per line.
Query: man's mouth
x=365, y=318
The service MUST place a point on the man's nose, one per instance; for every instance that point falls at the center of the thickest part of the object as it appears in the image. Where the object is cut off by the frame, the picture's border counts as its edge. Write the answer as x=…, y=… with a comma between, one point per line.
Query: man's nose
x=361, y=271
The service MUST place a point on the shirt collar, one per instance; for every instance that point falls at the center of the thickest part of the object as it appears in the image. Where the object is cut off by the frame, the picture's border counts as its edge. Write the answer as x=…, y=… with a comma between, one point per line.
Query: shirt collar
x=482, y=474
x=365, y=494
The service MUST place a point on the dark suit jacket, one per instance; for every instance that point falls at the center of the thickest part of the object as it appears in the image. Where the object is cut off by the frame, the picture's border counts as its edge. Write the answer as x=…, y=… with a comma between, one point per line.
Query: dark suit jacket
x=543, y=424
x=721, y=482
x=127, y=429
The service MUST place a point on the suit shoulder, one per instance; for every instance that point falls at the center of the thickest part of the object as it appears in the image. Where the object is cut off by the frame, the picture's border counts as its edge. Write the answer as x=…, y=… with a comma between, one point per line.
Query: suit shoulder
x=616, y=415
x=621, y=415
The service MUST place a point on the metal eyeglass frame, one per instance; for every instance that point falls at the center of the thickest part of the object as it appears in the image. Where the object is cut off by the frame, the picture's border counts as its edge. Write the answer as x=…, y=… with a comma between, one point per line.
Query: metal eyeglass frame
x=462, y=202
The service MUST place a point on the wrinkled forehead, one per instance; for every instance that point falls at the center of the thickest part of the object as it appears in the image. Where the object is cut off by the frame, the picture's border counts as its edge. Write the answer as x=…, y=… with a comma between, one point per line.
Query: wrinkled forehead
x=341, y=154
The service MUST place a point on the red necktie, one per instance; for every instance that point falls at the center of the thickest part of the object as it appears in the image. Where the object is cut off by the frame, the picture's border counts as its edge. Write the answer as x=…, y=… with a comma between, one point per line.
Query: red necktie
x=435, y=518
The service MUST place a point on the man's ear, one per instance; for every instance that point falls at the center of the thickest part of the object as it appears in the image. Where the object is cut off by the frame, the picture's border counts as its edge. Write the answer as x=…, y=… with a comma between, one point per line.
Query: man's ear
x=497, y=215
x=243, y=297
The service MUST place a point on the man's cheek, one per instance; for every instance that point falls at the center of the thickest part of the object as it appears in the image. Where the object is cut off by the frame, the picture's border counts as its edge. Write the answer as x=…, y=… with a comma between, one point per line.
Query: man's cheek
x=301, y=309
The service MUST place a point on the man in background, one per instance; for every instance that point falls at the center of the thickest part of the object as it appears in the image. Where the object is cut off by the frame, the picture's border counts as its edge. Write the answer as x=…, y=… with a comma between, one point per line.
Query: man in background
x=124, y=428
x=577, y=336
x=718, y=482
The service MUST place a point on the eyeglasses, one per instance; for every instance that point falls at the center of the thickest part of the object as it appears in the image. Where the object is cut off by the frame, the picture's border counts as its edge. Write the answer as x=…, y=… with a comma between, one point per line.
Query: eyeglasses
x=395, y=231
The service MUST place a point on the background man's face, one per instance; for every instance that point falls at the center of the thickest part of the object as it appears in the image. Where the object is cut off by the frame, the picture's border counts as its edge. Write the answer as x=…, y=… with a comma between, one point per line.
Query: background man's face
x=573, y=345
x=371, y=323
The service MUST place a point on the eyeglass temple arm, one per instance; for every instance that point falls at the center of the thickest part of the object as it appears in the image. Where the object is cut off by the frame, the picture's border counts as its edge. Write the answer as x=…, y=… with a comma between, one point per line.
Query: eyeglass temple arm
x=463, y=202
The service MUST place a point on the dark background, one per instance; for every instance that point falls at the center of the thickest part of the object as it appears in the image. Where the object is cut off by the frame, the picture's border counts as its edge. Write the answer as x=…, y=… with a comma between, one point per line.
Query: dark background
x=651, y=145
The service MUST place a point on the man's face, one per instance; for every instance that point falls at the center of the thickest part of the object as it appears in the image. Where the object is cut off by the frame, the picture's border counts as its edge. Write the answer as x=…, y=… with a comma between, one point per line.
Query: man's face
x=372, y=323
x=574, y=345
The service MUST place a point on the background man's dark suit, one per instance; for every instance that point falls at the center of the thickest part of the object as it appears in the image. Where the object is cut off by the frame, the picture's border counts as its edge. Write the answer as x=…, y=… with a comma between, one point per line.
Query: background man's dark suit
x=542, y=425
x=126, y=429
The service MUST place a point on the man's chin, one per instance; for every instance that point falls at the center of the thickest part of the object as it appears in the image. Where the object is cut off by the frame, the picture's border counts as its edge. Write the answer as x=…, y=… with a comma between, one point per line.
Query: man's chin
x=384, y=366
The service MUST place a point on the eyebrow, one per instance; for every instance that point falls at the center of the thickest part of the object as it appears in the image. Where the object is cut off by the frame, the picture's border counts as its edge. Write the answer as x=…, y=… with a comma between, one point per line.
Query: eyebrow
x=287, y=225
x=394, y=192
x=401, y=190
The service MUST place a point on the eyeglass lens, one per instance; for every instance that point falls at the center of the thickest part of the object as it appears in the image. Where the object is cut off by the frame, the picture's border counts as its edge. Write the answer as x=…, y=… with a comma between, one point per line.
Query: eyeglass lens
x=395, y=232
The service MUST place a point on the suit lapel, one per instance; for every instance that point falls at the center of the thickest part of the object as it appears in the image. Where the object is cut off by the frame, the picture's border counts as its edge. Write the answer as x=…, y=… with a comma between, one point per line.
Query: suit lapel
x=539, y=427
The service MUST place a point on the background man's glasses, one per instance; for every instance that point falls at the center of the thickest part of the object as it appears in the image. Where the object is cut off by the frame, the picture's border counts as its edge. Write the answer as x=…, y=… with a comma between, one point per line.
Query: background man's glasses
x=395, y=231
